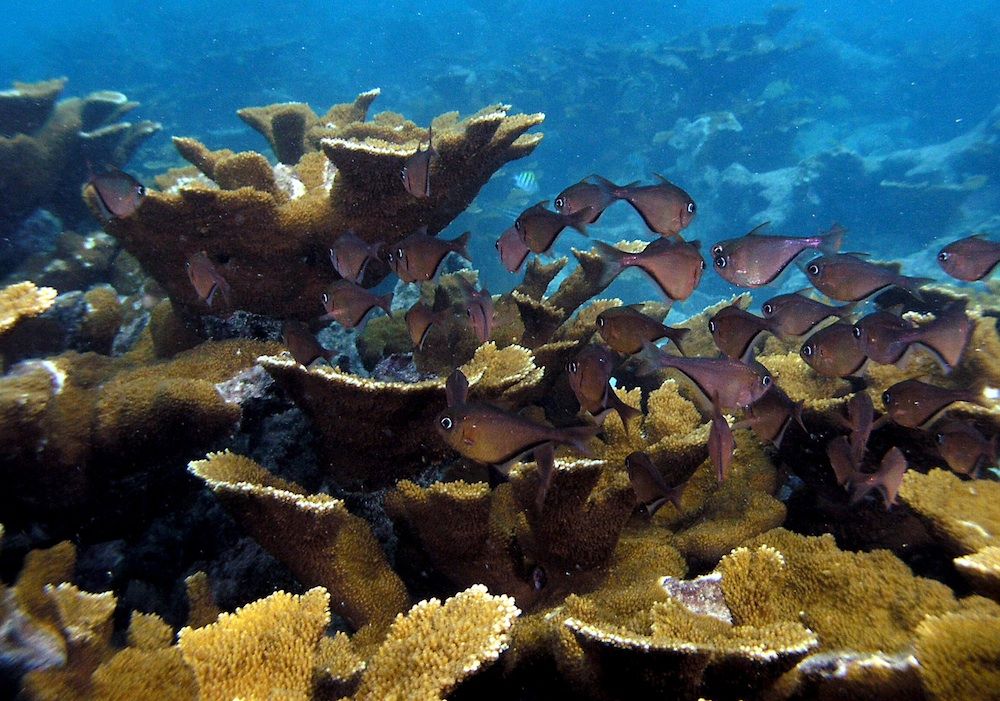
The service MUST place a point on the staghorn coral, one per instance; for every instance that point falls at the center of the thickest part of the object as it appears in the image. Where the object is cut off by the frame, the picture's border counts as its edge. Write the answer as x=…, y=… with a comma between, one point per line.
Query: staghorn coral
x=45, y=145
x=313, y=534
x=253, y=220
x=387, y=432
x=265, y=648
x=466, y=632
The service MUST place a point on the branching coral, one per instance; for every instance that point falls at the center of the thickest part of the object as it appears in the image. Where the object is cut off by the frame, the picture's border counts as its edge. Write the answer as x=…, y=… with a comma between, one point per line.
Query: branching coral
x=45, y=146
x=23, y=300
x=313, y=534
x=254, y=220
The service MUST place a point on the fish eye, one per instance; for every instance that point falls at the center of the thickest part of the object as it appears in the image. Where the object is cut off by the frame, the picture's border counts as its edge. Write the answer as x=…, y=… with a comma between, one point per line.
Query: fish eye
x=326, y=298
x=600, y=322
x=813, y=270
x=572, y=367
x=940, y=438
x=807, y=350
x=767, y=309
x=446, y=423
x=717, y=250
x=497, y=244
x=399, y=253
x=691, y=207
x=765, y=380
x=560, y=203
x=711, y=326
x=886, y=398
x=141, y=190
x=517, y=224
x=468, y=313
x=402, y=174
x=943, y=256
x=720, y=262
x=702, y=264
x=856, y=332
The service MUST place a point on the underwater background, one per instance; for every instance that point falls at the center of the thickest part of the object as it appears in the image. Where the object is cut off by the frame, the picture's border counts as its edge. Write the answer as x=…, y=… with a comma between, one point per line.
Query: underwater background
x=176, y=445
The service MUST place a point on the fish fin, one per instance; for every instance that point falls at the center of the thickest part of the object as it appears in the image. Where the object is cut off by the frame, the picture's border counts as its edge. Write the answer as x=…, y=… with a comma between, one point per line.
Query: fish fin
x=545, y=459
x=662, y=179
x=655, y=505
x=625, y=412
x=913, y=284
x=456, y=389
x=579, y=220
x=211, y=294
x=887, y=479
x=838, y=452
x=759, y=229
x=832, y=239
x=603, y=182
x=845, y=310
x=651, y=359
x=578, y=438
x=676, y=335
x=385, y=301
x=940, y=339
x=460, y=245
x=611, y=262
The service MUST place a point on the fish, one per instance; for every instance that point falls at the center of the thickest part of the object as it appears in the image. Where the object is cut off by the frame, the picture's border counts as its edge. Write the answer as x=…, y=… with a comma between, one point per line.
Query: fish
x=595, y=196
x=755, y=260
x=526, y=181
x=735, y=331
x=771, y=415
x=416, y=172
x=207, y=281
x=589, y=378
x=665, y=208
x=860, y=421
x=675, y=266
x=650, y=489
x=886, y=338
x=847, y=278
x=794, y=315
x=539, y=227
x=916, y=404
x=479, y=309
x=118, y=193
x=964, y=448
x=735, y=385
x=493, y=436
x=721, y=444
x=970, y=259
x=302, y=344
x=833, y=351
x=350, y=255
x=838, y=452
x=886, y=479
x=348, y=303
x=417, y=257
x=626, y=329
x=513, y=251
x=419, y=319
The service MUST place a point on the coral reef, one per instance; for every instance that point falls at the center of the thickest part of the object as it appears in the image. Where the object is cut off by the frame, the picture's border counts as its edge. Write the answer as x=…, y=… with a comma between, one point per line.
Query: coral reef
x=46, y=143
x=240, y=208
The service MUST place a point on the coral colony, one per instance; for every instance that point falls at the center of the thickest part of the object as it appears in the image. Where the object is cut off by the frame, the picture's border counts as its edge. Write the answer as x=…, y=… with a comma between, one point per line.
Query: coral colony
x=474, y=495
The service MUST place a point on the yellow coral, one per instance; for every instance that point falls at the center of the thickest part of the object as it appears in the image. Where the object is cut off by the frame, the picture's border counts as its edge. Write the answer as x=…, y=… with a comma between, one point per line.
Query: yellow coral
x=264, y=649
x=147, y=631
x=314, y=535
x=435, y=646
x=982, y=570
x=139, y=673
x=21, y=301
x=202, y=608
x=958, y=653
x=963, y=514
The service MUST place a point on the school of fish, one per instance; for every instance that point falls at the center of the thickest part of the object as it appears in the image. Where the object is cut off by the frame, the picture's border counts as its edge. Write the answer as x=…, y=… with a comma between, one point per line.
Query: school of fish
x=835, y=340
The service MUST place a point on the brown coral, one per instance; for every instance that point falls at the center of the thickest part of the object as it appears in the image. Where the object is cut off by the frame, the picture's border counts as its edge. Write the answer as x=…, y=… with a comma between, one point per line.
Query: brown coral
x=314, y=535
x=958, y=653
x=45, y=146
x=255, y=220
x=962, y=515
x=23, y=300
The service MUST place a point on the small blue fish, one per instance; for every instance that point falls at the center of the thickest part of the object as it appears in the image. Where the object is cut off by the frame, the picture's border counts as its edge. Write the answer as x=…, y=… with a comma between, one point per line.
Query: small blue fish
x=526, y=181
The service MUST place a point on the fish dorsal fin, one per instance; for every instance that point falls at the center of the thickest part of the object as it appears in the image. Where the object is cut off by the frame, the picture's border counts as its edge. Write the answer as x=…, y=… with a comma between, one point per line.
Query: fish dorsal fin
x=456, y=388
x=662, y=179
x=759, y=229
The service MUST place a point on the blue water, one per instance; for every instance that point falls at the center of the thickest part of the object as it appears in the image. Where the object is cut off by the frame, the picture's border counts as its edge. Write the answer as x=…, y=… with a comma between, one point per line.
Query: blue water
x=868, y=77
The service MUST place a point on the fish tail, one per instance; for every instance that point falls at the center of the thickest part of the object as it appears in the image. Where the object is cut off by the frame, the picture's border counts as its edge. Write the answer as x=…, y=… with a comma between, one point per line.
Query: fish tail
x=845, y=310
x=461, y=245
x=604, y=184
x=676, y=336
x=652, y=358
x=913, y=284
x=579, y=437
x=611, y=262
x=625, y=412
x=385, y=301
x=941, y=337
x=830, y=241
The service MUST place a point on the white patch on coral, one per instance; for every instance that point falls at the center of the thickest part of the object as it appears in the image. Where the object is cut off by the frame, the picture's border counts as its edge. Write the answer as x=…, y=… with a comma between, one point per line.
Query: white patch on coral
x=288, y=182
